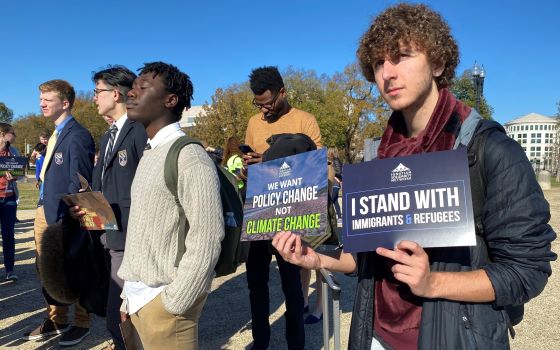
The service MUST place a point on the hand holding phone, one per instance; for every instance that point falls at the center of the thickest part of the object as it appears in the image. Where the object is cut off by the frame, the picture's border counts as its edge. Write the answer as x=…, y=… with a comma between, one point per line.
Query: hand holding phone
x=245, y=149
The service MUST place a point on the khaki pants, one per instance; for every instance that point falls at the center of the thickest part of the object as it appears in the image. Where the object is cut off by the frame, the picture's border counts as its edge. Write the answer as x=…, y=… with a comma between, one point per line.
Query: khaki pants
x=158, y=329
x=57, y=313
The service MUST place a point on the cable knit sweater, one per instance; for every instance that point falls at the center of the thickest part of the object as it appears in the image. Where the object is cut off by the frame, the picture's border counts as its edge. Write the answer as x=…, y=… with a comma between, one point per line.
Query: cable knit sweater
x=154, y=223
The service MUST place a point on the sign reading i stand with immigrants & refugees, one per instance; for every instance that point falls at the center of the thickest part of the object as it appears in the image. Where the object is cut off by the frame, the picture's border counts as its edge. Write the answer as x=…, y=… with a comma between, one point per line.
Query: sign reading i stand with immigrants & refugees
x=425, y=198
x=286, y=194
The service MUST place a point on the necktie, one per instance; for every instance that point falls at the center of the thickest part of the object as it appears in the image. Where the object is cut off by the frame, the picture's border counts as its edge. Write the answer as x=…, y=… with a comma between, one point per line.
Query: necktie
x=148, y=147
x=48, y=156
x=112, y=133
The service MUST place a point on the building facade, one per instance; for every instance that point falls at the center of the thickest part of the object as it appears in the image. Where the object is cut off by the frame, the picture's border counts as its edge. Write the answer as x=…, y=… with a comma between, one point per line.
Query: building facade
x=538, y=136
x=188, y=118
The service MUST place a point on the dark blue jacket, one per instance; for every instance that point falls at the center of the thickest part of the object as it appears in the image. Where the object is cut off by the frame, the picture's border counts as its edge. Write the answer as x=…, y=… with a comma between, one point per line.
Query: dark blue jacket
x=516, y=255
x=119, y=173
x=73, y=153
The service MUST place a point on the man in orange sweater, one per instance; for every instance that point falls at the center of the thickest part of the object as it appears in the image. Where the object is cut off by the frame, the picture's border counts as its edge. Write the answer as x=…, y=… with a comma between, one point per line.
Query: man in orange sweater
x=276, y=116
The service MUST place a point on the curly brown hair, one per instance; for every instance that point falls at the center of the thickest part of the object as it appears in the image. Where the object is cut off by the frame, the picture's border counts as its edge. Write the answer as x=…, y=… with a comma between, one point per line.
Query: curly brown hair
x=415, y=25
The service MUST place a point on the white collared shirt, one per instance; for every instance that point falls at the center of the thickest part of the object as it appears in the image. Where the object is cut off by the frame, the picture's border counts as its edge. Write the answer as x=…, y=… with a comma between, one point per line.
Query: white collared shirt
x=166, y=134
x=137, y=294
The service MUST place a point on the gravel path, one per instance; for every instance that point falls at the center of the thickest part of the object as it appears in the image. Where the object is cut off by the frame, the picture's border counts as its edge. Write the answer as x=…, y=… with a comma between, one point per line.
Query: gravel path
x=225, y=323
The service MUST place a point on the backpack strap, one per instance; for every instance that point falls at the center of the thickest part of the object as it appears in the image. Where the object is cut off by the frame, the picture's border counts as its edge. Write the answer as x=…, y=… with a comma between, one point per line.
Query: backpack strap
x=475, y=154
x=171, y=177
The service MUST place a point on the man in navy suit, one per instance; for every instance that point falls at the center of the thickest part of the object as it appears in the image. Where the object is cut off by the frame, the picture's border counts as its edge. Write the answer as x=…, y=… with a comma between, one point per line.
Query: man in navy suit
x=119, y=153
x=70, y=151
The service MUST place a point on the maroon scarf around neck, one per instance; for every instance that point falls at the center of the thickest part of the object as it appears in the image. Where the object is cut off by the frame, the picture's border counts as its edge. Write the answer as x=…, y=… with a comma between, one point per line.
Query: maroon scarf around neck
x=398, y=311
x=439, y=135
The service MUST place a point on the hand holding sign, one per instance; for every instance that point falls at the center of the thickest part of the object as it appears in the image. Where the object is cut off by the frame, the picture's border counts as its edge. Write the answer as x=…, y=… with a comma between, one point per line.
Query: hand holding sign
x=412, y=267
x=294, y=251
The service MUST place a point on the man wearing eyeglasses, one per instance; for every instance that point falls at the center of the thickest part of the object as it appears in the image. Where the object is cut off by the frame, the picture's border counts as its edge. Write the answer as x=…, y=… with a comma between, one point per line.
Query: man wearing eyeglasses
x=121, y=148
x=276, y=116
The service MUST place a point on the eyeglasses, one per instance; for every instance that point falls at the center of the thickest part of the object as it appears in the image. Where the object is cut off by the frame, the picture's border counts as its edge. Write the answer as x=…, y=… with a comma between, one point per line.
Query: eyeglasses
x=97, y=91
x=268, y=105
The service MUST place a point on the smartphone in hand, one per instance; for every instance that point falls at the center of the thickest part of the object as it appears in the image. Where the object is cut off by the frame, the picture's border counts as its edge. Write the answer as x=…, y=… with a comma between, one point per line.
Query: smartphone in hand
x=245, y=149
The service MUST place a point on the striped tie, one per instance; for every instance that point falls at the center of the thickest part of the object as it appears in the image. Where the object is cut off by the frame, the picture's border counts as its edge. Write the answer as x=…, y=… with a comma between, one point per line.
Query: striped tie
x=48, y=156
x=112, y=133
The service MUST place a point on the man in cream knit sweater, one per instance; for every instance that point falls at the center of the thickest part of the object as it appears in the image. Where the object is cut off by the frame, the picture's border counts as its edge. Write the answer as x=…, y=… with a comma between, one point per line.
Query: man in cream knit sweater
x=164, y=302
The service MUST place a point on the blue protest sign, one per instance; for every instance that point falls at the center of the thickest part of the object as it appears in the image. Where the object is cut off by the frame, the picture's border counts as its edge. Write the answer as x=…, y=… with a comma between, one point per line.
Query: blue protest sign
x=424, y=198
x=286, y=194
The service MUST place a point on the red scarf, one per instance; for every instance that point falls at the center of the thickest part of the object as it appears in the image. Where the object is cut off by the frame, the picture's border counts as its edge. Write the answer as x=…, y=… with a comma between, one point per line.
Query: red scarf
x=397, y=310
x=439, y=134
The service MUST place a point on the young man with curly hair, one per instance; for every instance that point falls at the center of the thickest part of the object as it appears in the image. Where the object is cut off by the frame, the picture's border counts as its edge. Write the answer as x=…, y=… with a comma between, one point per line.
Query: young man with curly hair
x=440, y=298
x=164, y=300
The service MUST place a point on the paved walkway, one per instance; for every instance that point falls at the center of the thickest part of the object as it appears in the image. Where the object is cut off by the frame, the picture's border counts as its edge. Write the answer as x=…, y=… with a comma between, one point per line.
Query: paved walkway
x=225, y=323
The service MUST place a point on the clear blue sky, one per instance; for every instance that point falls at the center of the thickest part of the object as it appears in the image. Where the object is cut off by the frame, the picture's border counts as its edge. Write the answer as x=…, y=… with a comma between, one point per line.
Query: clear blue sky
x=218, y=43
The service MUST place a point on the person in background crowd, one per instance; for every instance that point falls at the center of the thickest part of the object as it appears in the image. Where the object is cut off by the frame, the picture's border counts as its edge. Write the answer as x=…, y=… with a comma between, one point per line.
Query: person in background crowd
x=232, y=159
x=8, y=202
x=40, y=150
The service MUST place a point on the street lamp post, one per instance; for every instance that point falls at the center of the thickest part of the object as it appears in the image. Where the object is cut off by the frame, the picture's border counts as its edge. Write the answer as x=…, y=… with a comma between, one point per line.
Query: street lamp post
x=478, y=75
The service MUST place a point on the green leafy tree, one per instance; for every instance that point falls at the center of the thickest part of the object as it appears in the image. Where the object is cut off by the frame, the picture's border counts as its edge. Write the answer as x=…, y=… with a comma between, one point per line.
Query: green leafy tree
x=6, y=114
x=464, y=90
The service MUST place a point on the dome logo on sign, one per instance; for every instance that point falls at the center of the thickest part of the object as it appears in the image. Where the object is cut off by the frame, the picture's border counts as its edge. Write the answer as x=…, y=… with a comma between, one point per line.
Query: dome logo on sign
x=401, y=173
x=284, y=170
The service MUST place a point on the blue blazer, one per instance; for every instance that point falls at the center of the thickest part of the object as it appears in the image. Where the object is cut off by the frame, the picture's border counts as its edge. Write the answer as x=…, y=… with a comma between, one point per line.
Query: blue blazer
x=119, y=173
x=73, y=153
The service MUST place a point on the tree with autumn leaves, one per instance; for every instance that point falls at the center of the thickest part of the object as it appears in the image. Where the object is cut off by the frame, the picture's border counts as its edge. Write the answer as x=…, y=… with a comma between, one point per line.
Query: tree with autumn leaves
x=30, y=126
x=346, y=106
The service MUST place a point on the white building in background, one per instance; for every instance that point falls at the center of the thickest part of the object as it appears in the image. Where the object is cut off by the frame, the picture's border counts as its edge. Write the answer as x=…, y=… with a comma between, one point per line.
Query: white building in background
x=537, y=135
x=188, y=118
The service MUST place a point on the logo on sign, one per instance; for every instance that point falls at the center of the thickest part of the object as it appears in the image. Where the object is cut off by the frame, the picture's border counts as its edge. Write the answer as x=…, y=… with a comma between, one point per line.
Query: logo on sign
x=285, y=170
x=401, y=173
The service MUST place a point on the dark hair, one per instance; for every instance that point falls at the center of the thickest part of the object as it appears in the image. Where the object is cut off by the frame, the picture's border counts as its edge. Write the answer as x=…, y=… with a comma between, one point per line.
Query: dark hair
x=231, y=147
x=40, y=147
x=44, y=134
x=5, y=127
x=117, y=76
x=175, y=81
x=265, y=78
x=406, y=24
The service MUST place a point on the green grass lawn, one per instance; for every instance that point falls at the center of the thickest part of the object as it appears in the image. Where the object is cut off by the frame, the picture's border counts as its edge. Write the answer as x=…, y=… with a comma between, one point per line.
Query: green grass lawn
x=28, y=195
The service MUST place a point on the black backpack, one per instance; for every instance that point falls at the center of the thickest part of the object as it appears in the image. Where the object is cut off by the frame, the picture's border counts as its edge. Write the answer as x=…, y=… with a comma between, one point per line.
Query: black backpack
x=478, y=191
x=233, y=252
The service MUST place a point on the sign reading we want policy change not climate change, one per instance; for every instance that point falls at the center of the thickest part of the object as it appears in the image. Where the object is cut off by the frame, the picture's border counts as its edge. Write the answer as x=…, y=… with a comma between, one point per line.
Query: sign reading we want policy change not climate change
x=425, y=198
x=286, y=194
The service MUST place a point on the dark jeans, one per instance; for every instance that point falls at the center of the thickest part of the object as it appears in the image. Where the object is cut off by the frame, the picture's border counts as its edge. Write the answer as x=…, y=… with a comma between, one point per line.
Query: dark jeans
x=113, y=260
x=8, y=208
x=335, y=190
x=257, y=277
